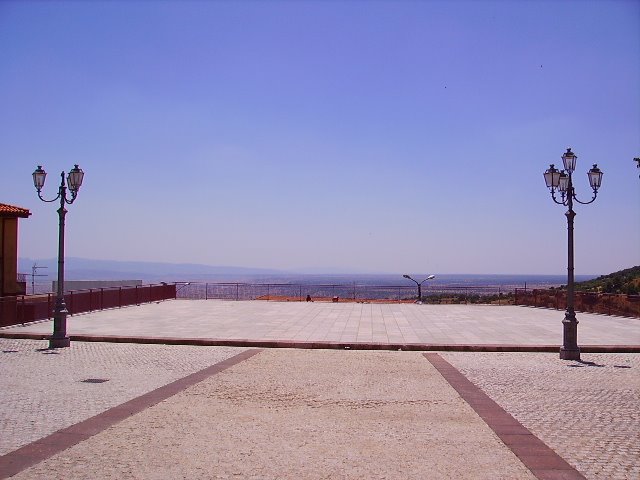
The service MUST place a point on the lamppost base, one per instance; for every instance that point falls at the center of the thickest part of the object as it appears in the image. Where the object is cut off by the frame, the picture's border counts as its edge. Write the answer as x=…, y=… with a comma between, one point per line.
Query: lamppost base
x=569, y=354
x=63, y=342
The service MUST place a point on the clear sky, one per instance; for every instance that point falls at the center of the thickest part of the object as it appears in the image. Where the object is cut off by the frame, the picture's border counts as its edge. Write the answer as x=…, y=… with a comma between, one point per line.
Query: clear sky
x=354, y=136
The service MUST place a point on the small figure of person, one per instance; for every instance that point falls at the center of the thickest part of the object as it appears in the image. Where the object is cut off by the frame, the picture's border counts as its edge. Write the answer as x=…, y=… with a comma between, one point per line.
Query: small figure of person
x=309, y=298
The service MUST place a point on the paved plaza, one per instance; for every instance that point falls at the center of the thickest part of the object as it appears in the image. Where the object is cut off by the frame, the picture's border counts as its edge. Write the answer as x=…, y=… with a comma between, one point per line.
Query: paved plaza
x=364, y=323
x=137, y=410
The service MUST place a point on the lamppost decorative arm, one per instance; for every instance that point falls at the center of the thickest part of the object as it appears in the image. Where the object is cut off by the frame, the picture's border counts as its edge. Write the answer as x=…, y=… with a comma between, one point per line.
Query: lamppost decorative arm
x=74, y=182
x=430, y=277
x=556, y=180
x=39, y=177
x=409, y=278
x=563, y=182
x=595, y=180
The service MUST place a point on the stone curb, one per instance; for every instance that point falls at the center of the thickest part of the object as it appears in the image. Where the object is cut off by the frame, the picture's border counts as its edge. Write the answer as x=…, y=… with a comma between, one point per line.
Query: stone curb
x=220, y=342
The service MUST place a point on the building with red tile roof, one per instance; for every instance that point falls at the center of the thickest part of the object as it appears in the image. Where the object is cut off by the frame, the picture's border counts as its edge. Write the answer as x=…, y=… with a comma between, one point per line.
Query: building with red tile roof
x=13, y=211
x=9, y=215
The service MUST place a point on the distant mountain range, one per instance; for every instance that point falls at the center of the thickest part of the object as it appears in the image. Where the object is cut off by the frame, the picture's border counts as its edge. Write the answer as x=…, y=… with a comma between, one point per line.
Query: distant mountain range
x=89, y=269
x=83, y=269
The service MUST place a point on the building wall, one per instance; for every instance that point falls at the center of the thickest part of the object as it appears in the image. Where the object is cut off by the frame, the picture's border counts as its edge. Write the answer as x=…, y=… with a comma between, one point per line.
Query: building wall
x=9, y=257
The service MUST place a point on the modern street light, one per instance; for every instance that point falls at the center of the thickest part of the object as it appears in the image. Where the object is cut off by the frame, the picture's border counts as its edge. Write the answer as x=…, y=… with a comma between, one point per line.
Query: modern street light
x=562, y=181
x=430, y=277
x=59, y=339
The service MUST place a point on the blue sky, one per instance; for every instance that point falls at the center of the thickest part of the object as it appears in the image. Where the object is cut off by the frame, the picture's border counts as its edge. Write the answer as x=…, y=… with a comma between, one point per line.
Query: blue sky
x=351, y=136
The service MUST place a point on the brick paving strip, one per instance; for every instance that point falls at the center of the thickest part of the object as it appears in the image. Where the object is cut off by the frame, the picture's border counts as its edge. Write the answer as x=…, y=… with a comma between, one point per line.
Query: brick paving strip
x=35, y=452
x=541, y=460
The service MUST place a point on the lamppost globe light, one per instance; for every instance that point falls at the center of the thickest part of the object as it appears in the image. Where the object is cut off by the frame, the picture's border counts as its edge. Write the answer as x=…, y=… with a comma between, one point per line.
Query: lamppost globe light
x=563, y=183
x=569, y=160
x=74, y=179
x=595, y=177
x=552, y=176
x=39, y=176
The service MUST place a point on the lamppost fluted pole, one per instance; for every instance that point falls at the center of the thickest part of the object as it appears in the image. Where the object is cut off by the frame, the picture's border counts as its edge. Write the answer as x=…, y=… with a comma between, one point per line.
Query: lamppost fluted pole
x=419, y=284
x=570, y=349
x=562, y=181
x=59, y=339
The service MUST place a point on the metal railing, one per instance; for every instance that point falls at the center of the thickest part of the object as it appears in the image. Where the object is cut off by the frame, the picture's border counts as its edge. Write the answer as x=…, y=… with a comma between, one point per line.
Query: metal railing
x=333, y=292
x=28, y=308
x=588, y=302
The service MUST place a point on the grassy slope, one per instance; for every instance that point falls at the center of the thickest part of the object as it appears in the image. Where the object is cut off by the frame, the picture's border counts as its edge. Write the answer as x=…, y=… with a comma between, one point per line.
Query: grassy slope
x=625, y=281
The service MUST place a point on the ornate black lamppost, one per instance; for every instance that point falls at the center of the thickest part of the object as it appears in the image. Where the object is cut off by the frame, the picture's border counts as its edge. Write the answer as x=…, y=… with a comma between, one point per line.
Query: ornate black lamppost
x=59, y=338
x=430, y=277
x=637, y=160
x=562, y=181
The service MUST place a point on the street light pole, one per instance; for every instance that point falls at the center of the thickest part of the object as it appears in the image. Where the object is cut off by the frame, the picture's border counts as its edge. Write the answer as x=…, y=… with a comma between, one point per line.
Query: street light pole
x=59, y=339
x=419, y=284
x=563, y=182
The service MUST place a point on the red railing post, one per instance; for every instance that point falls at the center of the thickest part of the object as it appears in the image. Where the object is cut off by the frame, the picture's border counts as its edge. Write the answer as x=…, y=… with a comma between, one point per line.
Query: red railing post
x=21, y=310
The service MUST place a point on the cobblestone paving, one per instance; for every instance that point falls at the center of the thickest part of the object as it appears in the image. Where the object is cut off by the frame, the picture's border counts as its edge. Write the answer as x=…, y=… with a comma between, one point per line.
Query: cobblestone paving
x=42, y=391
x=300, y=414
x=588, y=412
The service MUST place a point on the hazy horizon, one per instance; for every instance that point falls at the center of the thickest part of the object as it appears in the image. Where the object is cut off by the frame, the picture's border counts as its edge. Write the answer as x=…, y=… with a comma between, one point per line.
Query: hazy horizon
x=79, y=264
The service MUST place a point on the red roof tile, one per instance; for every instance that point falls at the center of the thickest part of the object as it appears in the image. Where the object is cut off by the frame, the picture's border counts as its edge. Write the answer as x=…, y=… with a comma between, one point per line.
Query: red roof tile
x=12, y=211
